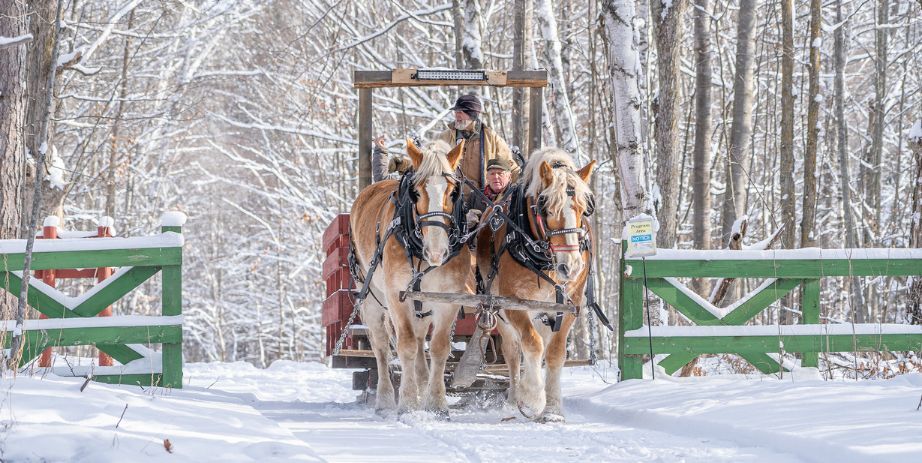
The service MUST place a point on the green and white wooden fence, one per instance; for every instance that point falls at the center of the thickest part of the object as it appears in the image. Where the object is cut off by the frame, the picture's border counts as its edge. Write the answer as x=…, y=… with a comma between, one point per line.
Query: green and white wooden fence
x=72, y=321
x=723, y=330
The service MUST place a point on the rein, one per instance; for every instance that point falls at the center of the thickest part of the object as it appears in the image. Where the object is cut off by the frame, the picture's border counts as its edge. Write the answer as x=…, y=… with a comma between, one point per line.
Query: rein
x=406, y=227
x=535, y=254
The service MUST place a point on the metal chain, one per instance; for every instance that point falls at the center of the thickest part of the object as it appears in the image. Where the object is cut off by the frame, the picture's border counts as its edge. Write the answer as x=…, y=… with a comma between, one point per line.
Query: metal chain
x=342, y=335
x=451, y=335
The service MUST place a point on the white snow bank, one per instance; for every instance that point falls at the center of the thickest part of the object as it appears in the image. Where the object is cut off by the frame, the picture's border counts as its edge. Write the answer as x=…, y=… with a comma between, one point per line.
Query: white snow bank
x=307, y=412
x=798, y=419
x=50, y=419
x=162, y=240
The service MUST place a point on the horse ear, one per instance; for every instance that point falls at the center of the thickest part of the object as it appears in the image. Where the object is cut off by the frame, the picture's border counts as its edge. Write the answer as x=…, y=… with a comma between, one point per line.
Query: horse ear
x=547, y=173
x=415, y=154
x=586, y=172
x=454, y=156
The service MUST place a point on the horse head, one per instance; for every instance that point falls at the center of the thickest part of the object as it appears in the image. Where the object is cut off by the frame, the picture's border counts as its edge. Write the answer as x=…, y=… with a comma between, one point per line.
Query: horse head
x=563, y=202
x=436, y=193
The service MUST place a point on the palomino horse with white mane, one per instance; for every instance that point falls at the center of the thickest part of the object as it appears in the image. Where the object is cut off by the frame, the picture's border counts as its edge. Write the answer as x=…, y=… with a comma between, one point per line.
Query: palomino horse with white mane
x=543, y=255
x=412, y=227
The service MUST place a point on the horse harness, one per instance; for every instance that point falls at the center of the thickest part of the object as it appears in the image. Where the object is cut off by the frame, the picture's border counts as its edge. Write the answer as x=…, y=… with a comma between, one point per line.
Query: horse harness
x=406, y=227
x=537, y=253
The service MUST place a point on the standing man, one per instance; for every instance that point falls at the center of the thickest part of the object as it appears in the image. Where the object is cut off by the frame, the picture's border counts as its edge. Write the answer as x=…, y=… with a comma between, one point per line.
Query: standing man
x=482, y=143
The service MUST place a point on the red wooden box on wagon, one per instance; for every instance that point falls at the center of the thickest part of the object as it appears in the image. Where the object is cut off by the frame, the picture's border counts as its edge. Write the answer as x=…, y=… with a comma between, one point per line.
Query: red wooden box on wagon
x=339, y=300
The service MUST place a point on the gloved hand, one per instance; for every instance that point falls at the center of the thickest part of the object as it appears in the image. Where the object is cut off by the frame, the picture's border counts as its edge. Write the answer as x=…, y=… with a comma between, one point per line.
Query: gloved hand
x=398, y=164
x=473, y=217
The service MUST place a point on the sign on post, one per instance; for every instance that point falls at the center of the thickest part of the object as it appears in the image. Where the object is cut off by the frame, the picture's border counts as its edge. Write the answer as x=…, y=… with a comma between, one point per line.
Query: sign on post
x=641, y=236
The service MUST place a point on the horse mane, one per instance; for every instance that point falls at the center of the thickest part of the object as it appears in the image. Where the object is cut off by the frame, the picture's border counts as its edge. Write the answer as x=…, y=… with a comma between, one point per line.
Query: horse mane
x=565, y=177
x=435, y=161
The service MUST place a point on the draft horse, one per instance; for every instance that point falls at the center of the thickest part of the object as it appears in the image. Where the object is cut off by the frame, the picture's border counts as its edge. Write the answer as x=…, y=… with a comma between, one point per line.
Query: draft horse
x=545, y=255
x=412, y=228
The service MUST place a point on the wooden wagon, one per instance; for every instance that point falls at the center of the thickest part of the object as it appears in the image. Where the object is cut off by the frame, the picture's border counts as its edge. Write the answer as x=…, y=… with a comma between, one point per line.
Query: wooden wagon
x=355, y=350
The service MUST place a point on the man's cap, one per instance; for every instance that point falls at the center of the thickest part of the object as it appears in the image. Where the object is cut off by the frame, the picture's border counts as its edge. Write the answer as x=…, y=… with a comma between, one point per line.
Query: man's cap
x=468, y=103
x=499, y=164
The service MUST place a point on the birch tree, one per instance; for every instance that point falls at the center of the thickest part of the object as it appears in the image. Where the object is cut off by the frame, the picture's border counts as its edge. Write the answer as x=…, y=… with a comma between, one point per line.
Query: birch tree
x=624, y=67
x=562, y=113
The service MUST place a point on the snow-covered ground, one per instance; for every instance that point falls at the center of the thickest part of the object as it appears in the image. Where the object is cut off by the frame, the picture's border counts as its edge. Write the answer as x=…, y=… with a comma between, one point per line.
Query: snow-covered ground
x=307, y=412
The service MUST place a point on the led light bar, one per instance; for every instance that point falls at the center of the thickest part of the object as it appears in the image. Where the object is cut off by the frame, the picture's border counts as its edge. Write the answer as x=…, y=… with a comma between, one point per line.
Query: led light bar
x=449, y=74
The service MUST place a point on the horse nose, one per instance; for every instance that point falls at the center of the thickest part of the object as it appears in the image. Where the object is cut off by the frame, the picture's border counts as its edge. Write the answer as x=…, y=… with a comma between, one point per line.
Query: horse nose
x=435, y=257
x=563, y=270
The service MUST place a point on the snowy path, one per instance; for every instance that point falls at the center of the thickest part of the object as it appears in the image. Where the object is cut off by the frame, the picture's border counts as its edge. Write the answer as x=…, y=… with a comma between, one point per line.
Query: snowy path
x=352, y=433
x=605, y=423
x=307, y=412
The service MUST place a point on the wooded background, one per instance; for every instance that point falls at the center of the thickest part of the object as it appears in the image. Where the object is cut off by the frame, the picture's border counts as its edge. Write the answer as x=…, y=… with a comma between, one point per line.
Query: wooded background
x=803, y=116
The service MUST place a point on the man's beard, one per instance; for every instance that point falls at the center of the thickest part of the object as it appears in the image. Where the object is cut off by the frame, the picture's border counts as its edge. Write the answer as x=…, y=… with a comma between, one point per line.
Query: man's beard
x=464, y=125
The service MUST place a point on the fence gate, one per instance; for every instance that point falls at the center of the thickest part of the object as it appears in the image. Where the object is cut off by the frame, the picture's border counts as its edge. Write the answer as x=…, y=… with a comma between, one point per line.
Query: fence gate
x=72, y=321
x=723, y=330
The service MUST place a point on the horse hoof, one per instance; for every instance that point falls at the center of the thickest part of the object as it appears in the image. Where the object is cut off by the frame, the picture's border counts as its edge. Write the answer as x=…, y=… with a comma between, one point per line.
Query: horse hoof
x=527, y=411
x=551, y=418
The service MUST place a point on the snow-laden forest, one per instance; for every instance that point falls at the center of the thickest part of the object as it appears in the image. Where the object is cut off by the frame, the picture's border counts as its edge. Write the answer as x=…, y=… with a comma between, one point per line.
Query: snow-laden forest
x=803, y=116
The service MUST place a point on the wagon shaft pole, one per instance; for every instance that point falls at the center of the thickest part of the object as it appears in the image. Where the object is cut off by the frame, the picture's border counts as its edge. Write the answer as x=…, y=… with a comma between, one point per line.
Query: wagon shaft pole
x=474, y=300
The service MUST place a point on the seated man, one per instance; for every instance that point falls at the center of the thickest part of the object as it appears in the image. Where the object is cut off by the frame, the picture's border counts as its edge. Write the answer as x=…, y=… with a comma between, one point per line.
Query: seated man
x=499, y=174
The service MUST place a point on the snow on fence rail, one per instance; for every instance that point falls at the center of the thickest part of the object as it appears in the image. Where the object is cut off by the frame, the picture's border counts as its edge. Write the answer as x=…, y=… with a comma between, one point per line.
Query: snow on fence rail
x=72, y=320
x=722, y=330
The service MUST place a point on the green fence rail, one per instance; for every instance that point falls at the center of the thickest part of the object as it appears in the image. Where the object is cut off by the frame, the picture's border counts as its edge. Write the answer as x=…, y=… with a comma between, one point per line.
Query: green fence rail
x=72, y=321
x=724, y=330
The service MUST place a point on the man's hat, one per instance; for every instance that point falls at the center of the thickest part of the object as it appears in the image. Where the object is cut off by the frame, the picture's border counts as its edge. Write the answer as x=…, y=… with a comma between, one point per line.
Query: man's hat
x=499, y=164
x=469, y=104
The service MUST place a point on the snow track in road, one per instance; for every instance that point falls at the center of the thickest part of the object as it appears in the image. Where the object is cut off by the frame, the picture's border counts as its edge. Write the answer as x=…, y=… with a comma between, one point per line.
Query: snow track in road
x=711, y=419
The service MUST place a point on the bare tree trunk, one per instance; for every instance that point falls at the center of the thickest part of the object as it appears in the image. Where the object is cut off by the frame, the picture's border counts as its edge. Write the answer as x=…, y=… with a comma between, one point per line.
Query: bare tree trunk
x=735, y=194
x=875, y=155
x=521, y=37
x=788, y=193
x=808, y=220
x=39, y=62
x=563, y=114
x=471, y=45
x=701, y=171
x=851, y=234
x=119, y=109
x=915, y=240
x=786, y=176
x=42, y=140
x=457, y=15
x=624, y=66
x=14, y=71
x=668, y=30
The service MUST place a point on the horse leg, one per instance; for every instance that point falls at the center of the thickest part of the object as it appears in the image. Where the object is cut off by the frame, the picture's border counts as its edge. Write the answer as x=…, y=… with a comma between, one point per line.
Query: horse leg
x=407, y=352
x=375, y=318
x=422, y=366
x=530, y=396
x=439, y=349
x=555, y=357
x=509, y=343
